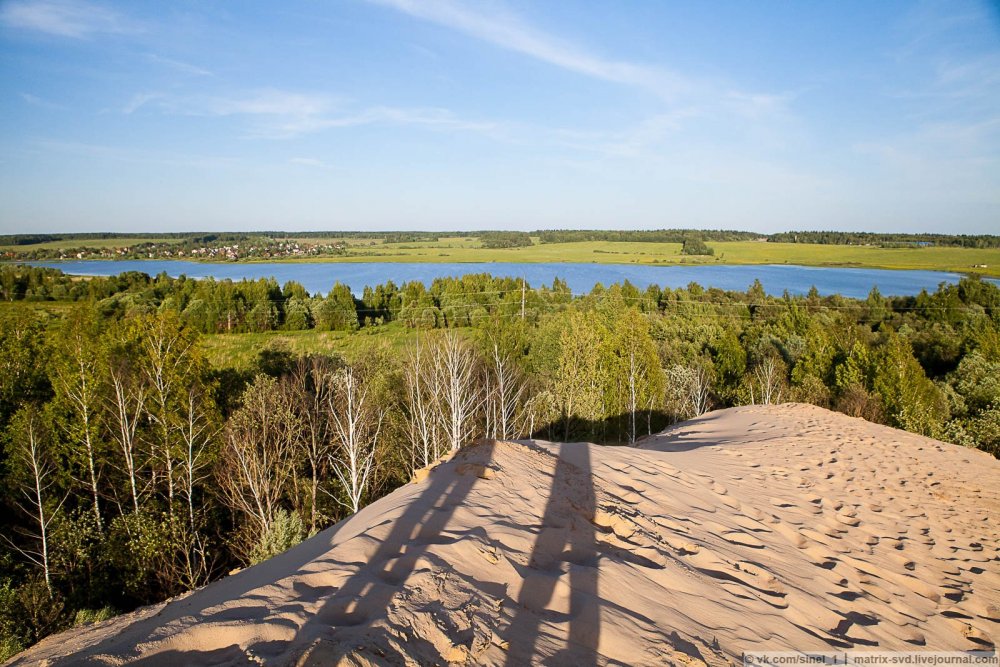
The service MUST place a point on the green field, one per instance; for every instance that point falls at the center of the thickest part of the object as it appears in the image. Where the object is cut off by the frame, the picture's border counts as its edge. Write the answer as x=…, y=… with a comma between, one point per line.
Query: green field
x=459, y=249
x=468, y=249
x=241, y=350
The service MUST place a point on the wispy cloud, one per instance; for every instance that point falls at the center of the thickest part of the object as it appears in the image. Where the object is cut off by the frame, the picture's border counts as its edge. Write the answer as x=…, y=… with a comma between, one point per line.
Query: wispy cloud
x=36, y=101
x=494, y=24
x=65, y=18
x=507, y=31
x=138, y=101
x=267, y=102
x=426, y=117
x=178, y=65
x=632, y=142
x=279, y=114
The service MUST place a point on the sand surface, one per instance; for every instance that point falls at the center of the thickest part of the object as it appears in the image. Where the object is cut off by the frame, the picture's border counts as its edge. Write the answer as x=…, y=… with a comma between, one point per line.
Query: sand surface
x=757, y=528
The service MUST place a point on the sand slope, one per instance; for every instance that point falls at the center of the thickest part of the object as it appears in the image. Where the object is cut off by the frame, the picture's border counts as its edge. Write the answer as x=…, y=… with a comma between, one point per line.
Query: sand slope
x=755, y=528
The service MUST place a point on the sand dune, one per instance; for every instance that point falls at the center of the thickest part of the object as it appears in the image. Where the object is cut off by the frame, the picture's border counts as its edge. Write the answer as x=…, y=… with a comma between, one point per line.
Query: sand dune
x=757, y=528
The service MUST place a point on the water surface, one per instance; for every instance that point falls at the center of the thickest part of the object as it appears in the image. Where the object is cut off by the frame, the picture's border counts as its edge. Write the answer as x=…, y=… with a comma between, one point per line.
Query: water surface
x=320, y=276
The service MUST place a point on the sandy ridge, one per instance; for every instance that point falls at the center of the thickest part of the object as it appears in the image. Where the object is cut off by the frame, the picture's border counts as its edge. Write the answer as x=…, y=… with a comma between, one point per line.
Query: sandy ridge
x=756, y=528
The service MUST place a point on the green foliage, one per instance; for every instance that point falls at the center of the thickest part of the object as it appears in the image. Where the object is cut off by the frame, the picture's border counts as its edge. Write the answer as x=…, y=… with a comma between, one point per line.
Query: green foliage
x=648, y=236
x=900, y=240
x=977, y=381
x=10, y=645
x=337, y=312
x=22, y=359
x=910, y=399
x=39, y=611
x=578, y=384
x=298, y=315
x=91, y=616
x=286, y=530
x=14, y=633
x=984, y=430
x=504, y=239
x=695, y=246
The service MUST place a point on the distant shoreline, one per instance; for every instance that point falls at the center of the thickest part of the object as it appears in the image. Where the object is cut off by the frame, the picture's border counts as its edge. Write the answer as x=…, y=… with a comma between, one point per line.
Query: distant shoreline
x=991, y=270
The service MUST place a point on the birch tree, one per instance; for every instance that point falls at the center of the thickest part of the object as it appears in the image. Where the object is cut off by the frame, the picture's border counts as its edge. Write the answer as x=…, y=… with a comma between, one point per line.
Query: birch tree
x=505, y=395
x=29, y=452
x=310, y=387
x=420, y=405
x=637, y=364
x=197, y=432
x=76, y=371
x=356, y=423
x=767, y=381
x=257, y=457
x=126, y=406
x=688, y=390
x=170, y=367
x=459, y=394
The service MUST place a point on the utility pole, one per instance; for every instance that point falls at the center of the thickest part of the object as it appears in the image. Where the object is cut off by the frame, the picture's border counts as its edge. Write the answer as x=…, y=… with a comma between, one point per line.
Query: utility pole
x=522, y=297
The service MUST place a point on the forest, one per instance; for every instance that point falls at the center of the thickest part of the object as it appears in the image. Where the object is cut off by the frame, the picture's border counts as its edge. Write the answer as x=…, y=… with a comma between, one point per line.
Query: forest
x=134, y=470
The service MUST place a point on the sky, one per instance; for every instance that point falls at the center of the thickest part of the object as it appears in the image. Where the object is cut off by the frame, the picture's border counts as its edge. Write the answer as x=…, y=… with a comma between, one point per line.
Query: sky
x=499, y=114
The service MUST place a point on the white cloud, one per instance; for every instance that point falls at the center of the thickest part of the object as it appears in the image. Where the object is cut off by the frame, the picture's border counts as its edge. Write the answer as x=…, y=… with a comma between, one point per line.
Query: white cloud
x=179, y=65
x=267, y=102
x=36, y=101
x=493, y=24
x=427, y=117
x=140, y=100
x=279, y=114
x=509, y=32
x=65, y=18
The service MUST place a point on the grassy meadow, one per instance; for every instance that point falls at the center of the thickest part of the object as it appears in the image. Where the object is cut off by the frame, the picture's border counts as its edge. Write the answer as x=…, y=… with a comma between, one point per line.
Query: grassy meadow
x=468, y=249
x=230, y=350
x=459, y=249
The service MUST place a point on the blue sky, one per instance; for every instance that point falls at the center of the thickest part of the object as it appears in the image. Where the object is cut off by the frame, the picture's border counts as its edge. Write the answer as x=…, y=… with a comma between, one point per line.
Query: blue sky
x=431, y=114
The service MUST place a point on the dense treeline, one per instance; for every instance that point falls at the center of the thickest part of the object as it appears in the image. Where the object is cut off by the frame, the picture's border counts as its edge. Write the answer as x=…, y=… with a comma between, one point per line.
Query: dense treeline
x=504, y=239
x=888, y=240
x=133, y=470
x=644, y=236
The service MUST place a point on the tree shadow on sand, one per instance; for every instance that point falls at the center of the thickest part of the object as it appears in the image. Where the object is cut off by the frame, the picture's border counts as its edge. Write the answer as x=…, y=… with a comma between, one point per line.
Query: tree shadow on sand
x=369, y=591
x=566, y=545
x=557, y=610
x=560, y=579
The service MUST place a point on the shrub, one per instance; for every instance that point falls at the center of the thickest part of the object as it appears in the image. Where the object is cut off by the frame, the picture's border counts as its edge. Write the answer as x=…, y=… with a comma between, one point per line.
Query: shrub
x=89, y=616
x=285, y=532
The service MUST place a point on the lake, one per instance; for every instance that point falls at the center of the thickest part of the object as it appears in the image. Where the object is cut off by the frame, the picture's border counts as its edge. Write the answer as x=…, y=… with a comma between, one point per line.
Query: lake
x=320, y=276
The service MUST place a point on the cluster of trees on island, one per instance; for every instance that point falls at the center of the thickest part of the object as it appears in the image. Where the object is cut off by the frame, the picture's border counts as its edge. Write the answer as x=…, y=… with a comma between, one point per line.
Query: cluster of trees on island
x=134, y=470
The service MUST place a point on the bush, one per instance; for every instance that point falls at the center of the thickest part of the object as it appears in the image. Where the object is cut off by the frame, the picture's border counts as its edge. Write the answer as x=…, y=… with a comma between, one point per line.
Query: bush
x=285, y=532
x=89, y=616
x=985, y=430
x=9, y=647
x=13, y=633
